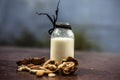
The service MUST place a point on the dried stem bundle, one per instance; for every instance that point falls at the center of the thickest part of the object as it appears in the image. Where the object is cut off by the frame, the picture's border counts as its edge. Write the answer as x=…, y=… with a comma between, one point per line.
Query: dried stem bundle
x=52, y=18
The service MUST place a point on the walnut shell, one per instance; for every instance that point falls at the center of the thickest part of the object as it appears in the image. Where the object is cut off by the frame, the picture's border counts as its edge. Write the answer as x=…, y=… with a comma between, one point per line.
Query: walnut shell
x=70, y=59
x=68, y=66
x=51, y=65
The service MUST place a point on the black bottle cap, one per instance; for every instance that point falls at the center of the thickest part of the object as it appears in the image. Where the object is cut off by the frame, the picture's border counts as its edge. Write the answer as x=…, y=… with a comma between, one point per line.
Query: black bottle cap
x=63, y=25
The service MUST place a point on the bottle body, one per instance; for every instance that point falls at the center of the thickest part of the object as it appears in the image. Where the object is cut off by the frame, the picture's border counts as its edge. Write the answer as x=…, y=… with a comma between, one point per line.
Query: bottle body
x=62, y=44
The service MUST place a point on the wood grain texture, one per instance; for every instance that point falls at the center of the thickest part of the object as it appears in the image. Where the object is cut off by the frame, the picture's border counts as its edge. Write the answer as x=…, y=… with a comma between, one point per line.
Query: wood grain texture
x=93, y=66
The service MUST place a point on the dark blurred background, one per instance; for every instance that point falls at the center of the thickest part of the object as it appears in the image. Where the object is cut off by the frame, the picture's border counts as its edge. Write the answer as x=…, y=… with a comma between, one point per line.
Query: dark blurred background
x=96, y=23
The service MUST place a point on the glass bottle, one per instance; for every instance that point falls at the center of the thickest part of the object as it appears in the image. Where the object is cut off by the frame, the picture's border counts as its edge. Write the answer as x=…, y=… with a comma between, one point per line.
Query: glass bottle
x=62, y=42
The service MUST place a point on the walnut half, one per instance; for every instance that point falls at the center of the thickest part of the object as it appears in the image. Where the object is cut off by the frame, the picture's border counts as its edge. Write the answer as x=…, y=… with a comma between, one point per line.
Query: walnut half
x=51, y=65
x=68, y=66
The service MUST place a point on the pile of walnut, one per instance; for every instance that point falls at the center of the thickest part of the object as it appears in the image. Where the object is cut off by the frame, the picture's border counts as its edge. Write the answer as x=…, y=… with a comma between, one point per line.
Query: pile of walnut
x=40, y=66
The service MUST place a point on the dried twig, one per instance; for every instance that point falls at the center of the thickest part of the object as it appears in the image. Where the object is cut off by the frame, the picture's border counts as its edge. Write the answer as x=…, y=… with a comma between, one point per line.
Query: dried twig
x=53, y=19
x=57, y=10
x=47, y=16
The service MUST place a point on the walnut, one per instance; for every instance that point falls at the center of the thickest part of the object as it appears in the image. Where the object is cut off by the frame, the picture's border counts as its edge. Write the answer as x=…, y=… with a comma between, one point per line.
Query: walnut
x=23, y=62
x=38, y=61
x=68, y=66
x=51, y=65
x=34, y=60
x=70, y=59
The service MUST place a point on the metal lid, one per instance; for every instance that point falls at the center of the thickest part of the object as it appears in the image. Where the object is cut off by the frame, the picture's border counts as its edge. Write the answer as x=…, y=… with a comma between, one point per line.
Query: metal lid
x=63, y=25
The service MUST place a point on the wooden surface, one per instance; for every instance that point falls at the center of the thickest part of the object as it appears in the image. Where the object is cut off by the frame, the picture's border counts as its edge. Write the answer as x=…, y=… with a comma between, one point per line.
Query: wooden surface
x=93, y=66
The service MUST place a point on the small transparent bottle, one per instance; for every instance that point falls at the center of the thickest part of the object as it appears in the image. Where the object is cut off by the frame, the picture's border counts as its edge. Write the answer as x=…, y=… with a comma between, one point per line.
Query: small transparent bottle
x=62, y=42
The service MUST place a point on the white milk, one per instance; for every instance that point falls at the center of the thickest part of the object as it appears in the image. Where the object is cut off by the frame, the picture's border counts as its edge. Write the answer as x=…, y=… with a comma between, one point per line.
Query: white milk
x=61, y=48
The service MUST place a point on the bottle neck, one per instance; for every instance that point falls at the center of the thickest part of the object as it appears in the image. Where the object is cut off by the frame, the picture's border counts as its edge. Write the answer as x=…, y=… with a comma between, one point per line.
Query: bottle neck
x=62, y=29
x=65, y=26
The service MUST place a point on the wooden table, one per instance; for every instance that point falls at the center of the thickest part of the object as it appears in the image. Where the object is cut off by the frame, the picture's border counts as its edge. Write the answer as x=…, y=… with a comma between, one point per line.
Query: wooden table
x=93, y=66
